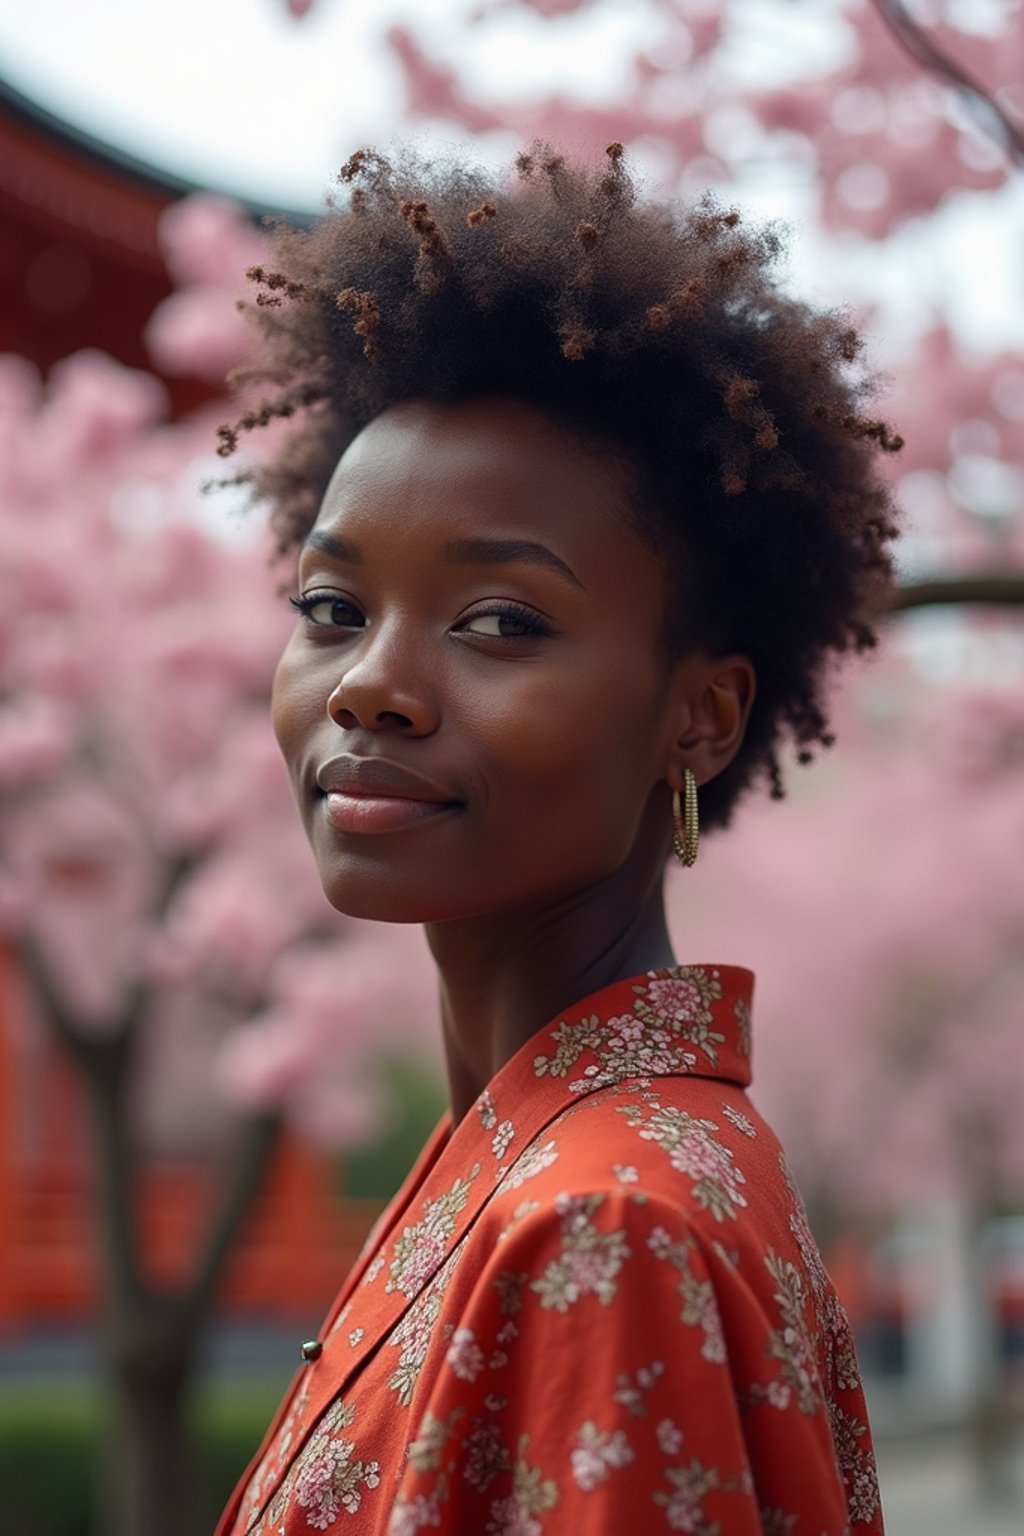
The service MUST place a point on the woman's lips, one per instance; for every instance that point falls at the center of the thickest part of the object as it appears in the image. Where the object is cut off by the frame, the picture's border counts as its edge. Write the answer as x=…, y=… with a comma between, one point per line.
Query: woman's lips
x=380, y=813
x=375, y=794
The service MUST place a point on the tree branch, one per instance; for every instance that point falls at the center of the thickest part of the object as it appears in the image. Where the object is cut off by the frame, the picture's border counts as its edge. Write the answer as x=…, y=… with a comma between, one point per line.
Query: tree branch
x=993, y=587
x=915, y=41
x=114, y=1181
x=103, y=1058
x=246, y=1167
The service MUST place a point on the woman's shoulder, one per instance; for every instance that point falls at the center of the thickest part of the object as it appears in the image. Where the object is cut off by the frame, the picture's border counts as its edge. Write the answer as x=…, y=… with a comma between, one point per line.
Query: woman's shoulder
x=694, y=1148
x=667, y=1192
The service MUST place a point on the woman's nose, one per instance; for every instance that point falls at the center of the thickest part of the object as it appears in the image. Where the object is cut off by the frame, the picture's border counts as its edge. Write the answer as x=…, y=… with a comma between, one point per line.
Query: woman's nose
x=384, y=687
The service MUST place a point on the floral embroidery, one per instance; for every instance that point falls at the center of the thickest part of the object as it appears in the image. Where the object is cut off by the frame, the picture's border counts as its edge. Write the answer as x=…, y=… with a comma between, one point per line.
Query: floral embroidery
x=684, y=1506
x=684, y=999
x=590, y=1259
x=531, y=1495
x=790, y=1344
x=625, y=1175
x=700, y=1309
x=425, y=1451
x=633, y=1395
x=741, y=1121
x=856, y=1465
x=595, y=1454
x=523, y=1209
x=667, y=1011
x=419, y=1514
x=413, y=1335
x=331, y=1481
x=502, y=1137
x=485, y=1109
x=669, y=1437
x=533, y=1160
x=741, y=1013
x=831, y=1318
x=485, y=1455
x=693, y=1150
x=777, y=1522
x=263, y=1478
x=421, y=1248
x=509, y=1287
x=465, y=1356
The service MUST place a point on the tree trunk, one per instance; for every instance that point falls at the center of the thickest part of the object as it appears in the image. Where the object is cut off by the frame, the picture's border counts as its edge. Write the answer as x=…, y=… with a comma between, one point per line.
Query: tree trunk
x=992, y=1419
x=151, y=1486
x=151, y=1338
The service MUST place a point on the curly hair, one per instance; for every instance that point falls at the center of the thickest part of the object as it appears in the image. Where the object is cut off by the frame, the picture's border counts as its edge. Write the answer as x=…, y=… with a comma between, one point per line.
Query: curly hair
x=652, y=329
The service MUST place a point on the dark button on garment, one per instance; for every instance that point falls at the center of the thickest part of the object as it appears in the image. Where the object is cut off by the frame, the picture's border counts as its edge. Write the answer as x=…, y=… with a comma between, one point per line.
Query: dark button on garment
x=312, y=1350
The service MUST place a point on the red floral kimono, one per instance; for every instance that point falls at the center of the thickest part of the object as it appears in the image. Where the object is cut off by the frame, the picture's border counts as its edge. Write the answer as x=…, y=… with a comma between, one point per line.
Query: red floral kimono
x=594, y=1307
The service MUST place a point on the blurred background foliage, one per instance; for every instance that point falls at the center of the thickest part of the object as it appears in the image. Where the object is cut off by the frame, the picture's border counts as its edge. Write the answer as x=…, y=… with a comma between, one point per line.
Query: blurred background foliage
x=209, y=1081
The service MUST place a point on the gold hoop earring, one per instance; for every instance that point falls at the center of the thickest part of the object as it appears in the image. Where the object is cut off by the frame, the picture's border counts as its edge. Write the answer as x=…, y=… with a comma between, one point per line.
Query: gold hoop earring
x=685, y=830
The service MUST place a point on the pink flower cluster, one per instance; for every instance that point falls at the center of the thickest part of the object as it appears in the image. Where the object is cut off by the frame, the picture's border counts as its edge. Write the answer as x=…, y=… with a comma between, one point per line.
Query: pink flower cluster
x=880, y=139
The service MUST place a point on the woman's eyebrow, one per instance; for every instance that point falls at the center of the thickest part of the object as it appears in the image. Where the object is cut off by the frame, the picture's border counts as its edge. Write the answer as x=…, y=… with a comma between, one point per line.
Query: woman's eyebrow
x=330, y=544
x=506, y=552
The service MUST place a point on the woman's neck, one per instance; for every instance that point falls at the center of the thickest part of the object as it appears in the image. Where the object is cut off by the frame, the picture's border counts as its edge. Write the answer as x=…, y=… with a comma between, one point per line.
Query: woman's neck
x=504, y=975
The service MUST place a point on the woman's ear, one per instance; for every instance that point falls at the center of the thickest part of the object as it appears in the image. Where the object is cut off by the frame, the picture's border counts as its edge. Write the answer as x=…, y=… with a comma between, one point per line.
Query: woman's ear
x=715, y=695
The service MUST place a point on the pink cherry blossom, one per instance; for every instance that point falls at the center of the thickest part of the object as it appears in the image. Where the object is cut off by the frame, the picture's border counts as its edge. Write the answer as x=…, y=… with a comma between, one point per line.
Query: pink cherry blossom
x=208, y=245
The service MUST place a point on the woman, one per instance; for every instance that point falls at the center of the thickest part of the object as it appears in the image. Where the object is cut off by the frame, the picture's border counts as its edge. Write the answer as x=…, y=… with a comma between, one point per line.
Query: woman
x=584, y=506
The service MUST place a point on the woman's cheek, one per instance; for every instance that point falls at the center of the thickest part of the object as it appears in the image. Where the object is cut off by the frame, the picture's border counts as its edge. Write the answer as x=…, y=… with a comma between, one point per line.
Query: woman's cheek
x=297, y=700
x=536, y=724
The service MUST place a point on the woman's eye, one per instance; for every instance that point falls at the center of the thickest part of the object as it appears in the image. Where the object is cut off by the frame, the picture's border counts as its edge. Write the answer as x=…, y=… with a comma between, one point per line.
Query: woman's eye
x=505, y=624
x=325, y=610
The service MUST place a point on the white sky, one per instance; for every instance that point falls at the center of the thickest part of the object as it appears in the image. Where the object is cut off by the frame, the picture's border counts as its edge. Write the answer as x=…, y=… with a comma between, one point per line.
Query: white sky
x=236, y=94
x=233, y=94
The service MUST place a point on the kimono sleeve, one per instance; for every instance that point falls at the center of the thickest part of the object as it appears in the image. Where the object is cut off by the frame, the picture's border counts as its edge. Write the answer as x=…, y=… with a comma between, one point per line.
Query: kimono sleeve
x=588, y=1387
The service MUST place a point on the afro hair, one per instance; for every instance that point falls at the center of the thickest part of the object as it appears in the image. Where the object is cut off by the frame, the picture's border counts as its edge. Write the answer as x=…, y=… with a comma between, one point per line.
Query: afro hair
x=654, y=329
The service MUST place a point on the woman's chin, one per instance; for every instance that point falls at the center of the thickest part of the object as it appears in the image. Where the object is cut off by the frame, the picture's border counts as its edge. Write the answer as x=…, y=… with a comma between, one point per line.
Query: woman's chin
x=377, y=903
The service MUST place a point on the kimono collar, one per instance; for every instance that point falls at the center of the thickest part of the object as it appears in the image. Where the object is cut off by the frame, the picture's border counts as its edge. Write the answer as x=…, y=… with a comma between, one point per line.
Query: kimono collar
x=687, y=1021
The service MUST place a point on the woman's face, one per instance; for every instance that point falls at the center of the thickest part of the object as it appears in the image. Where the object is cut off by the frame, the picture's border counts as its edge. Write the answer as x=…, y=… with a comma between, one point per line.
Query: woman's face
x=473, y=705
